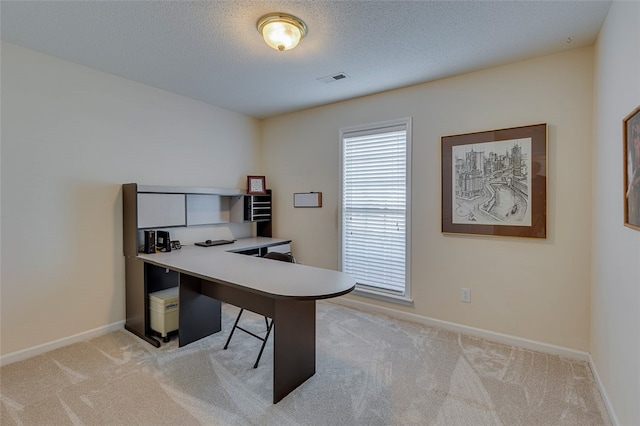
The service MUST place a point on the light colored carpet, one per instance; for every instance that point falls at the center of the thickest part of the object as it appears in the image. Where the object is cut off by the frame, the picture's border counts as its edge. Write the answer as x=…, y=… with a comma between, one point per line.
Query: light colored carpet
x=370, y=370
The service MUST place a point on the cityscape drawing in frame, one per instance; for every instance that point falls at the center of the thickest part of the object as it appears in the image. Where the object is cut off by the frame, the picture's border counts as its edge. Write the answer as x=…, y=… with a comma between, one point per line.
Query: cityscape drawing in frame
x=631, y=135
x=495, y=182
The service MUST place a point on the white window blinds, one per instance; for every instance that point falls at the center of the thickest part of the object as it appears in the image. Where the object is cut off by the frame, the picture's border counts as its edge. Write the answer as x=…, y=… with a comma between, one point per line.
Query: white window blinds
x=374, y=206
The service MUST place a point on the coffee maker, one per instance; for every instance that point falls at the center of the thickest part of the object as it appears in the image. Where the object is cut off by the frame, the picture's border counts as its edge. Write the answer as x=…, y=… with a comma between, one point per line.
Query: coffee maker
x=164, y=241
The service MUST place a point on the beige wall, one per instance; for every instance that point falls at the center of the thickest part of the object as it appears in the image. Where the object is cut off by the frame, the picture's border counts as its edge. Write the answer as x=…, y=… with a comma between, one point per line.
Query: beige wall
x=615, y=342
x=532, y=289
x=70, y=137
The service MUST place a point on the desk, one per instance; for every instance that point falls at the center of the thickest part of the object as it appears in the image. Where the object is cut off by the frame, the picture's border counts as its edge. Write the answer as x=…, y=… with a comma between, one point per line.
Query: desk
x=285, y=292
x=143, y=278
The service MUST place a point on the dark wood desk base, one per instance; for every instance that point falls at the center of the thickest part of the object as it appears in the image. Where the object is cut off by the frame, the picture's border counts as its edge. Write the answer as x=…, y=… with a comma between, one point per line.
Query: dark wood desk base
x=198, y=316
x=294, y=342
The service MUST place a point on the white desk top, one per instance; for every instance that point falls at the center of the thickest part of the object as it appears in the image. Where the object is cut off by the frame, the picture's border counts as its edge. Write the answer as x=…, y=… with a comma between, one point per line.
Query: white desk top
x=274, y=278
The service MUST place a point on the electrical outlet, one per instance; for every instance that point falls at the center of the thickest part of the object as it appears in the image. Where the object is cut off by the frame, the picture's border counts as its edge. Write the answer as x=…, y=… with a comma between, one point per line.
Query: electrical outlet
x=465, y=295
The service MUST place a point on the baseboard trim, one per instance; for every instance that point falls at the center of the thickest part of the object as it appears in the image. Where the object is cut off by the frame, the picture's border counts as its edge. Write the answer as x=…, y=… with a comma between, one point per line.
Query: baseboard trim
x=465, y=329
x=46, y=347
x=603, y=393
x=407, y=316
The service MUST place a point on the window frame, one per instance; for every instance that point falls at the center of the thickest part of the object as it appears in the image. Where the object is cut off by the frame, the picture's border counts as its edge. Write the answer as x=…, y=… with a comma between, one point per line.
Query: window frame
x=366, y=290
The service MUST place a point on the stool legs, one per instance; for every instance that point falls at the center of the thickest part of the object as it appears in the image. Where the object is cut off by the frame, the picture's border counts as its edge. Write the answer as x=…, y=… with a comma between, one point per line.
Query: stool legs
x=264, y=342
x=264, y=339
x=235, y=325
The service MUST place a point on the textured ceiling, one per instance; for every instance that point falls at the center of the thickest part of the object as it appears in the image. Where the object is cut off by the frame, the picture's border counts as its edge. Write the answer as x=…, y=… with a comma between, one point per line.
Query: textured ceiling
x=211, y=50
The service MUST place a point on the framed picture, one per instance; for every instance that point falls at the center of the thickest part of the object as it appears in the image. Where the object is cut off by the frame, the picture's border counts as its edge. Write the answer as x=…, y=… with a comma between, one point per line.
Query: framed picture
x=631, y=136
x=495, y=182
x=307, y=199
x=256, y=185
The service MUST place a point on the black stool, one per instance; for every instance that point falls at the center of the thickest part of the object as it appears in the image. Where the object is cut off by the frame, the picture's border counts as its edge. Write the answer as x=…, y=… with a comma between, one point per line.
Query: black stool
x=283, y=257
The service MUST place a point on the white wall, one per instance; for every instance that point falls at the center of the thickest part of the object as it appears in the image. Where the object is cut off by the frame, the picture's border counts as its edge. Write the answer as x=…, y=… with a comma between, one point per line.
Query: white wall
x=70, y=137
x=532, y=289
x=615, y=343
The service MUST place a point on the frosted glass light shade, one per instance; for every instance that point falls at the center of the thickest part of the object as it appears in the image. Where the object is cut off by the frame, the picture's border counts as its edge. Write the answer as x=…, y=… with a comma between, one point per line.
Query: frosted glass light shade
x=281, y=31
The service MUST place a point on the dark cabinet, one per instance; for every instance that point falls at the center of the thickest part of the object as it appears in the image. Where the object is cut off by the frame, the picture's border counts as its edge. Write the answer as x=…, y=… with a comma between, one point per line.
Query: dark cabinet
x=146, y=207
x=253, y=208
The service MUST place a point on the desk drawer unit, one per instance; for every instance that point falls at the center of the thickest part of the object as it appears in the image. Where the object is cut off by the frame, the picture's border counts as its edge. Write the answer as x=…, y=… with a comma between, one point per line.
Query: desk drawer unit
x=280, y=248
x=163, y=311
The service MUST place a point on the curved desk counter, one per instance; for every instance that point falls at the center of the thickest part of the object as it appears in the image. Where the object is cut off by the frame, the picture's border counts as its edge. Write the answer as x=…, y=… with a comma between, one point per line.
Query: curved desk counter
x=282, y=291
x=254, y=274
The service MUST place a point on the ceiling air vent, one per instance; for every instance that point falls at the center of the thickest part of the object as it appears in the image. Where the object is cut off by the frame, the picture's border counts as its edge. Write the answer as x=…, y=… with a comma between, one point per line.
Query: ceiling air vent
x=332, y=78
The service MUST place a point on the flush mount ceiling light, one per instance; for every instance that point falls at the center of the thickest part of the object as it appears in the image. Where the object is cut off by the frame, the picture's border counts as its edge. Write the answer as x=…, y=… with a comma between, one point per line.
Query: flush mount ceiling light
x=281, y=31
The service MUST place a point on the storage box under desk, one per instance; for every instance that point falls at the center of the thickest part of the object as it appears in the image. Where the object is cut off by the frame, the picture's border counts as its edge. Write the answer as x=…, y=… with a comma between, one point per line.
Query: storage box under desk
x=164, y=311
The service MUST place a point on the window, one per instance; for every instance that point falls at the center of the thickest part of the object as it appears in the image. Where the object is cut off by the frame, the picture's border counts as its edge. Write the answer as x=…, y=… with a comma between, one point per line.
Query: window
x=375, y=213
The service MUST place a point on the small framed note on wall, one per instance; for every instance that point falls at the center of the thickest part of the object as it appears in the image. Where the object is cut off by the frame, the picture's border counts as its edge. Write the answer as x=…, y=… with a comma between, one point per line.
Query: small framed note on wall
x=307, y=199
